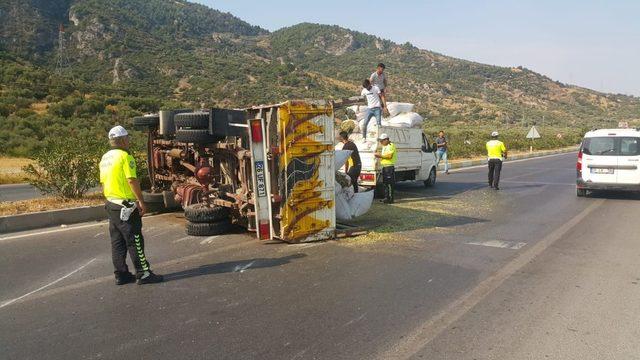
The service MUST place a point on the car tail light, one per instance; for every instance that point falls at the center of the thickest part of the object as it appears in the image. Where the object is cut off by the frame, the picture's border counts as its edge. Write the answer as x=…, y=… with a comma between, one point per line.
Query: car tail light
x=367, y=177
x=579, y=163
x=256, y=131
x=265, y=230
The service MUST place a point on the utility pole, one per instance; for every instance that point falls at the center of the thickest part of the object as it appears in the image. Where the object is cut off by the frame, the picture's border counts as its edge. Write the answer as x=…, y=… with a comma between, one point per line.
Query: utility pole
x=62, y=58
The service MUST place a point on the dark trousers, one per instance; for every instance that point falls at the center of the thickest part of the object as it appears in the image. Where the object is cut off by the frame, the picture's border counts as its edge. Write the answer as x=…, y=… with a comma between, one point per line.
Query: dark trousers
x=354, y=174
x=126, y=236
x=495, y=166
x=389, y=183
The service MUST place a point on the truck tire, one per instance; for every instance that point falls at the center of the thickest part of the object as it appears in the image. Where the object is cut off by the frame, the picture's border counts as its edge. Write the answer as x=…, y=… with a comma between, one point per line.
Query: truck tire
x=201, y=213
x=199, y=120
x=431, y=180
x=196, y=136
x=378, y=191
x=154, y=201
x=208, y=229
x=152, y=198
x=142, y=122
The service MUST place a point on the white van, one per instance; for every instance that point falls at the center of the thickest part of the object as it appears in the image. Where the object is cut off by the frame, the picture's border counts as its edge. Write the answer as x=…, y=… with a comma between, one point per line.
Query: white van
x=609, y=159
x=416, y=157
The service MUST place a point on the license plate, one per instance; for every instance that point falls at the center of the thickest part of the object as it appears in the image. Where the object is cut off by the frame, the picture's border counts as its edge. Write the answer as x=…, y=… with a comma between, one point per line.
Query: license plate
x=602, y=171
x=261, y=184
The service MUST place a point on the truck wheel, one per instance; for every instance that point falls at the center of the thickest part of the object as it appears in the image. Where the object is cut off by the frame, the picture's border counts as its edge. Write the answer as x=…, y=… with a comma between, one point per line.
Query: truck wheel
x=196, y=136
x=208, y=229
x=378, y=191
x=143, y=122
x=154, y=201
x=199, y=120
x=201, y=213
x=431, y=180
x=581, y=192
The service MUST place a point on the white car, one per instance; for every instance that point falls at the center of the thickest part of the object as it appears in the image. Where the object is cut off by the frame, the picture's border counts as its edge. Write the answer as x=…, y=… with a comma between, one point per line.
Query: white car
x=609, y=159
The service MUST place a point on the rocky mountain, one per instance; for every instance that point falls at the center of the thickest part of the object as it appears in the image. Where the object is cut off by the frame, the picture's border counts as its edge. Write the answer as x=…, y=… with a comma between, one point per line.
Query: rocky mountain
x=128, y=56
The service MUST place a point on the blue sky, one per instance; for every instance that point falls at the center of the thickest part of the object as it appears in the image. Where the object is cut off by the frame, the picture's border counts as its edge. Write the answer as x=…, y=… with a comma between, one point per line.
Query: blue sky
x=590, y=43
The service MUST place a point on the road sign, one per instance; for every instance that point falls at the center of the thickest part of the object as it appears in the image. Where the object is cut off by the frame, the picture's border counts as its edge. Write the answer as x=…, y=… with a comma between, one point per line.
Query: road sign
x=533, y=133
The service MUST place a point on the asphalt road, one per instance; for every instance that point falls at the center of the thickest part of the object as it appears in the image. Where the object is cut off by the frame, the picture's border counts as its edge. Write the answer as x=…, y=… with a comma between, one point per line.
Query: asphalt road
x=16, y=192
x=527, y=272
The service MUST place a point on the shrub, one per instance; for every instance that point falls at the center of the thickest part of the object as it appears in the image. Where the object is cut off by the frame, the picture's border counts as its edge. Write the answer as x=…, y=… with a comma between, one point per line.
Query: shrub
x=67, y=166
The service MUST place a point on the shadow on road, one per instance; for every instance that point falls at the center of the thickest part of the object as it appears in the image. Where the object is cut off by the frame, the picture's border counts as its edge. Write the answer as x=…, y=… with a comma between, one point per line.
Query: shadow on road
x=441, y=191
x=232, y=266
x=615, y=195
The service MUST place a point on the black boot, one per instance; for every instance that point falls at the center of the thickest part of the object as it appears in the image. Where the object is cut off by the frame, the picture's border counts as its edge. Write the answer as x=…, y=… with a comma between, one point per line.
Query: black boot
x=149, y=277
x=124, y=278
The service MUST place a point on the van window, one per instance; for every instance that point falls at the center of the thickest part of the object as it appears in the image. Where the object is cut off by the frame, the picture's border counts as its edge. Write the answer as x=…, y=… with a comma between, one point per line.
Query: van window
x=611, y=146
x=599, y=146
x=629, y=146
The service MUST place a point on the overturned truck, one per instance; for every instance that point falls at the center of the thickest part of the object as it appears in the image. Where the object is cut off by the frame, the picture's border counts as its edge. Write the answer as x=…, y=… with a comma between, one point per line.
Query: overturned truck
x=268, y=168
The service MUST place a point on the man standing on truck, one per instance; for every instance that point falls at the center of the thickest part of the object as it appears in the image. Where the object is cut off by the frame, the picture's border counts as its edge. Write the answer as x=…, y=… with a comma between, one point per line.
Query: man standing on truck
x=496, y=152
x=441, y=151
x=388, y=157
x=379, y=79
x=353, y=165
x=125, y=207
x=374, y=106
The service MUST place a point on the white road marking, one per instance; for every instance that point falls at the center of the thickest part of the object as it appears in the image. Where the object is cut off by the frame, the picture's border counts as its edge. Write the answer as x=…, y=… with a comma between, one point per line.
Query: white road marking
x=499, y=244
x=209, y=240
x=98, y=234
x=7, y=303
x=52, y=231
x=182, y=239
x=413, y=342
x=65, y=228
x=242, y=268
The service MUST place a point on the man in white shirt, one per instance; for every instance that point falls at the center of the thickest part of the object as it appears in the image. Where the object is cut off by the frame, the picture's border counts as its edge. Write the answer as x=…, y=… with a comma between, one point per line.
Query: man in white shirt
x=374, y=105
x=379, y=79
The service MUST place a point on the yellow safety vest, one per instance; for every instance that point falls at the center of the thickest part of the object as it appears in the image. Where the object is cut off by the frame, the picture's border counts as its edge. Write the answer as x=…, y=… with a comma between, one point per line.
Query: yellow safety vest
x=495, y=149
x=389, y=155
x=116, y=167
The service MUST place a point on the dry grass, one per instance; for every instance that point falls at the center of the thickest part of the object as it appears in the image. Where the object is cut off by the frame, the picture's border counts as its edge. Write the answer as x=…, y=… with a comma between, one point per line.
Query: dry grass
x=47, y=203
x=11, y=170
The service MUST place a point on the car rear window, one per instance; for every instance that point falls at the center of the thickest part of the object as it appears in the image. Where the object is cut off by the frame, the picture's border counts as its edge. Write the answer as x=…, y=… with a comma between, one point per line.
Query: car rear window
x=611, y=146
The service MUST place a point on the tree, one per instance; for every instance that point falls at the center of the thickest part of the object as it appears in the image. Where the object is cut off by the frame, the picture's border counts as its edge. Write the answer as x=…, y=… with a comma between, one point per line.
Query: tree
x=67, y=166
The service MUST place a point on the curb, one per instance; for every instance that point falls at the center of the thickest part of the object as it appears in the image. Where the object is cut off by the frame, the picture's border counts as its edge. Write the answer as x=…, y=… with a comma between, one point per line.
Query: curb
x=469, y=163
x=30, y=221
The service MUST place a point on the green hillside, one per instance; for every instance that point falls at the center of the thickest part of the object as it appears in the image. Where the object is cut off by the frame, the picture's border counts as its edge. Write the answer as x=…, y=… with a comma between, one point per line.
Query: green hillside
x=126, y=57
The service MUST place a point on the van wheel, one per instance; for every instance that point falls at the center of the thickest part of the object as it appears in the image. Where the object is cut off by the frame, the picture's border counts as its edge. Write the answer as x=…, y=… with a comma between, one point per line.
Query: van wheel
x=208, y=229
x=581, y=192
x=431, y=180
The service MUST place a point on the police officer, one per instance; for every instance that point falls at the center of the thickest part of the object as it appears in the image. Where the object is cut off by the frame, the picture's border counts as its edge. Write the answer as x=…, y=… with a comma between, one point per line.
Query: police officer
x=388, y=157
x=496, y=152
x=125, y=208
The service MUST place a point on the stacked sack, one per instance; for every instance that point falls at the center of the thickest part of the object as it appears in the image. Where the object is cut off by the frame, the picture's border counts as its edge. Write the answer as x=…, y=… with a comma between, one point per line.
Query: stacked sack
x=400, y=115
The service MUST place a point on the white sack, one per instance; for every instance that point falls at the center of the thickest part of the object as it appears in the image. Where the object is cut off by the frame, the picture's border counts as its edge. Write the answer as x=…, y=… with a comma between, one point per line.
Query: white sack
x=396, y=108
x=359, y=110
x=343, y=209
x=408, y=120
x=360, y=203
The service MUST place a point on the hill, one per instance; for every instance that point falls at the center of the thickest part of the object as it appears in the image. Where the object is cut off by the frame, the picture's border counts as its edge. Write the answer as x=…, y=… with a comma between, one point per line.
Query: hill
x=131, y=56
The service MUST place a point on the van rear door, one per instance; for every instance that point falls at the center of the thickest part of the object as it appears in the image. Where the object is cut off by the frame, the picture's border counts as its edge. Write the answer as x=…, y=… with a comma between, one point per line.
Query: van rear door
x=629, y=160
x=600, y=159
